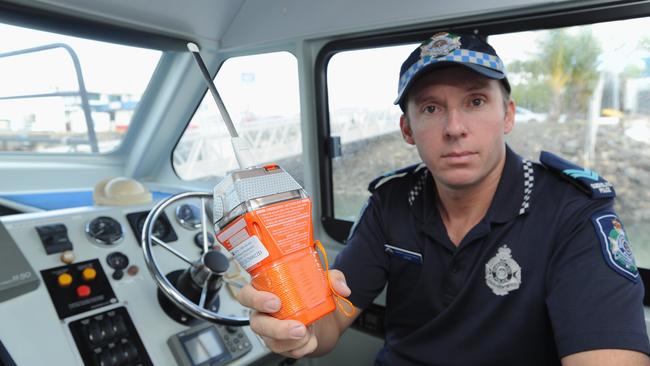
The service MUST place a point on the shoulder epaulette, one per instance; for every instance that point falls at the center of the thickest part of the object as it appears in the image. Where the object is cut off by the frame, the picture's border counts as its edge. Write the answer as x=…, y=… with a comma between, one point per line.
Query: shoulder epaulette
x=394, y=174
x=584, y=179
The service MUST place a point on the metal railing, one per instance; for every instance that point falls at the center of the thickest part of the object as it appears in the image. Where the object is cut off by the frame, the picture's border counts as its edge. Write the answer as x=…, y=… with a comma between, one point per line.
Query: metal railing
x=82, y=92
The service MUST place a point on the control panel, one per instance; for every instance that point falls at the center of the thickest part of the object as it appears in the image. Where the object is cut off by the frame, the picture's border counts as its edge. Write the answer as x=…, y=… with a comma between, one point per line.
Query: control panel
x=54, y=238
x=78, y=287
x=89, y=298
x=109, y=339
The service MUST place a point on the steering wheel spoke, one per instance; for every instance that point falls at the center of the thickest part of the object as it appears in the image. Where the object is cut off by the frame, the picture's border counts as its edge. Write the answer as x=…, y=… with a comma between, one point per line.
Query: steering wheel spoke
x=204, y=293
x=173, y=251
x=204, y=226
x=213, y=261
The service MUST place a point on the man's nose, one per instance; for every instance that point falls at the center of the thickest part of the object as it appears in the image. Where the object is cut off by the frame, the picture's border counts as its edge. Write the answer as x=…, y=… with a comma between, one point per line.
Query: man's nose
x=455, y=126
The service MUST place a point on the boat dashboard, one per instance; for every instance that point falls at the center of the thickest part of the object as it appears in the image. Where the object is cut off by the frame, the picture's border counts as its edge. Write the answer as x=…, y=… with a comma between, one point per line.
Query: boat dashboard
x=75, y=288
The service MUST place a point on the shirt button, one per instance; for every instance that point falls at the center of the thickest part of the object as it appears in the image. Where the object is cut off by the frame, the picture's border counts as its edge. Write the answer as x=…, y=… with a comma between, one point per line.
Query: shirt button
x=455, y=269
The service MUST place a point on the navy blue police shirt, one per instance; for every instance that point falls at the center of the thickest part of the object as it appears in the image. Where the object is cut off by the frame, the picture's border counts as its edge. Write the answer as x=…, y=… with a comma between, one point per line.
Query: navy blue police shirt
x=547, y=273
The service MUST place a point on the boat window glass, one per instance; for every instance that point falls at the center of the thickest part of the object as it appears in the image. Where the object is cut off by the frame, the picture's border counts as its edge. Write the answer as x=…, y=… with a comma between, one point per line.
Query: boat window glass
x=68, y=95
x=261, y=95
x=582, y=92
x=362, y=85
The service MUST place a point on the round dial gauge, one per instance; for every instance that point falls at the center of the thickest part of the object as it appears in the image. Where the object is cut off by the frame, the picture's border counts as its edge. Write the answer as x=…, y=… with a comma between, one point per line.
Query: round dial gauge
x=105, y=230
x=189, y=216
x=198, y=240
x=159, y=230
x=117, y=260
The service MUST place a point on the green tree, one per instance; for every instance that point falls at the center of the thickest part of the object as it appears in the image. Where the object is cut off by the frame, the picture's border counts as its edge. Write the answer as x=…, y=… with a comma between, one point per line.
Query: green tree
x=583, y=71
x=564, y=70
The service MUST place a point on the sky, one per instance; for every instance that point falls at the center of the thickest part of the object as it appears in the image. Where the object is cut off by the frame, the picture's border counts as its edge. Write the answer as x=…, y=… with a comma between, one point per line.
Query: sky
x=106, y=67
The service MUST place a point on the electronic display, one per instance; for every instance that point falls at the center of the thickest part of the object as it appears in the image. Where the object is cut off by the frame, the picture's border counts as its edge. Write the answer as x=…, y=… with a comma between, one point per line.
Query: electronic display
x=203, y=346
x=209, y=345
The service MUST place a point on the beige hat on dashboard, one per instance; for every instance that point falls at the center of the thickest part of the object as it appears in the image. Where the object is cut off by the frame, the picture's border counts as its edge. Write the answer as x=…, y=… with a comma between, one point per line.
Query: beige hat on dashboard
x=117, y=191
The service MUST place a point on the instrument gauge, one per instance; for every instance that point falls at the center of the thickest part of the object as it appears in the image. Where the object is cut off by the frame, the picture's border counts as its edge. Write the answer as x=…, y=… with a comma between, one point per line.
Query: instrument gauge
x=160, y=229
x=105, y=230
x=117, y=261
x=189, y=216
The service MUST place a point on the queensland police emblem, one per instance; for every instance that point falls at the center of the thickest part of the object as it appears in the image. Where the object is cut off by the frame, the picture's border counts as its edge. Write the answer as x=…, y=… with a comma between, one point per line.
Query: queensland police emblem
x=502, y=273
x=615, y=245
x=441, y=44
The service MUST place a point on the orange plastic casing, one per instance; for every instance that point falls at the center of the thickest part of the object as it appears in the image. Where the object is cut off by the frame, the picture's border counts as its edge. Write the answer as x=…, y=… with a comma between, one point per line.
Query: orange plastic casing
x=275, y=244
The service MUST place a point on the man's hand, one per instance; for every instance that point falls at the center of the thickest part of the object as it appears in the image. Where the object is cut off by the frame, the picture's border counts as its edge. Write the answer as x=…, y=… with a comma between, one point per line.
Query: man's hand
x=290, y=337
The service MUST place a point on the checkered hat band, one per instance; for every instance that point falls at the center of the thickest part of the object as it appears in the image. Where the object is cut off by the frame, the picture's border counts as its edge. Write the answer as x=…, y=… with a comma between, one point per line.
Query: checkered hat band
x=459, y=55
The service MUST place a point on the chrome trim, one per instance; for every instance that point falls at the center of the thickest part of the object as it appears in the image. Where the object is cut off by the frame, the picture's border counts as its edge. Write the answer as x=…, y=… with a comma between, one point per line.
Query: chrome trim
x=99, y=241
x=163, y=283
x=184, y=223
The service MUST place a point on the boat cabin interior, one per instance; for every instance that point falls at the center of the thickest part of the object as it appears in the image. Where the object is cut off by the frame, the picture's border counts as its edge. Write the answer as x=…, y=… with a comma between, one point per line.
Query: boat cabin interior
x=119, y=129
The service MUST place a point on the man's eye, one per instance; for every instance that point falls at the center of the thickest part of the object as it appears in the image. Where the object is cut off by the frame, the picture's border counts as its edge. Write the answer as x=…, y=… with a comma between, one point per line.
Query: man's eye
x=476, y=102
x=430, y=109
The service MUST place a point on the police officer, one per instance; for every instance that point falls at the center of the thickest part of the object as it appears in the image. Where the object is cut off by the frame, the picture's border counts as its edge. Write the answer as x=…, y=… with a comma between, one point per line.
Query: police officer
x=489, y=259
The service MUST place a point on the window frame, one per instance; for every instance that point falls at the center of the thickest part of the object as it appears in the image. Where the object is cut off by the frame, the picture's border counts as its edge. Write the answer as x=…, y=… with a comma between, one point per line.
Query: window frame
x=24, y=16
x=95, y=30
x=213, y=75
x=534, y=18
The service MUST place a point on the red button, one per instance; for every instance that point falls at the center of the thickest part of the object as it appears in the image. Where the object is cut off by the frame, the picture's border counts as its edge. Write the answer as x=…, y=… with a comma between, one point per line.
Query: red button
x=83, y=291
x=270, y=167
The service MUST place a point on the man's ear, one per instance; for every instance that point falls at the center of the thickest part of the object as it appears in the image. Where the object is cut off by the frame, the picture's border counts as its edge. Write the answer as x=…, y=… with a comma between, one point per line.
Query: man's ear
x=405, y=126
x=509, y=120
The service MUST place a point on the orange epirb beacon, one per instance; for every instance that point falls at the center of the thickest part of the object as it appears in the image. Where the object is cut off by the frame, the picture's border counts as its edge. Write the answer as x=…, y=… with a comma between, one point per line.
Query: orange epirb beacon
x=263, y=217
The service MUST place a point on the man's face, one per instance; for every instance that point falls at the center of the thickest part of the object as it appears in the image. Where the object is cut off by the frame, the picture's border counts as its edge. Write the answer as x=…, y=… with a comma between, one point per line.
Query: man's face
x=457, y=120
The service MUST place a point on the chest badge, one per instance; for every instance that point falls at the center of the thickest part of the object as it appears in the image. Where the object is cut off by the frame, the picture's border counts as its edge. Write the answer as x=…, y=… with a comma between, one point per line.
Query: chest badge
x=502, y=273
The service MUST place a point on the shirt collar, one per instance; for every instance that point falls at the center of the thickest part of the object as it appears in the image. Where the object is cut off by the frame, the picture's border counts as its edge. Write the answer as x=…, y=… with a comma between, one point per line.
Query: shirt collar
x=511, y=199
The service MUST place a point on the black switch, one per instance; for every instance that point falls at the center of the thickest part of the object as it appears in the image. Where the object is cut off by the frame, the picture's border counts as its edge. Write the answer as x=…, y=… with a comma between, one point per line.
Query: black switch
x=54, y=238
x=106, y=359
x=132, y=352
x=118, y=274
x=120, y=327
x=120, y=354
x=93, y=333
x=108, y=328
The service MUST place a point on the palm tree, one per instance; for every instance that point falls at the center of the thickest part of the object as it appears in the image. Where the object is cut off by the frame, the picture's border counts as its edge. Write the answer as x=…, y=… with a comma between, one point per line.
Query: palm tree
x=565, y=67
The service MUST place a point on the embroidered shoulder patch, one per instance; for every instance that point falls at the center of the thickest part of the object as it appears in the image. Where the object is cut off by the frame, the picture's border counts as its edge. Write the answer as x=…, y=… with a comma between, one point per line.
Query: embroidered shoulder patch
x=585, y=179
x=615, y=244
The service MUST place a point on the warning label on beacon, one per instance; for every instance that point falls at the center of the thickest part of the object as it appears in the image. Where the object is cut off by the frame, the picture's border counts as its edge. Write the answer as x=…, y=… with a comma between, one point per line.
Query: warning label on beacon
x=247, y=249
x=250, y=252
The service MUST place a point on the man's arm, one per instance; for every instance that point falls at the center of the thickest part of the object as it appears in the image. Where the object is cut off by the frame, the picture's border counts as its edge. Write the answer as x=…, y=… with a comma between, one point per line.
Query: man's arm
x=290, y=337
x=607, y=357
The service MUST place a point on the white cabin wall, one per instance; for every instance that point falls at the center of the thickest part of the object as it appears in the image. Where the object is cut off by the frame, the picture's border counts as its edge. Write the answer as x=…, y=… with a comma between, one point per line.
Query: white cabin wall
x=23, y=173
x=203, y=21
x=276, y=21
x=241, y=24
